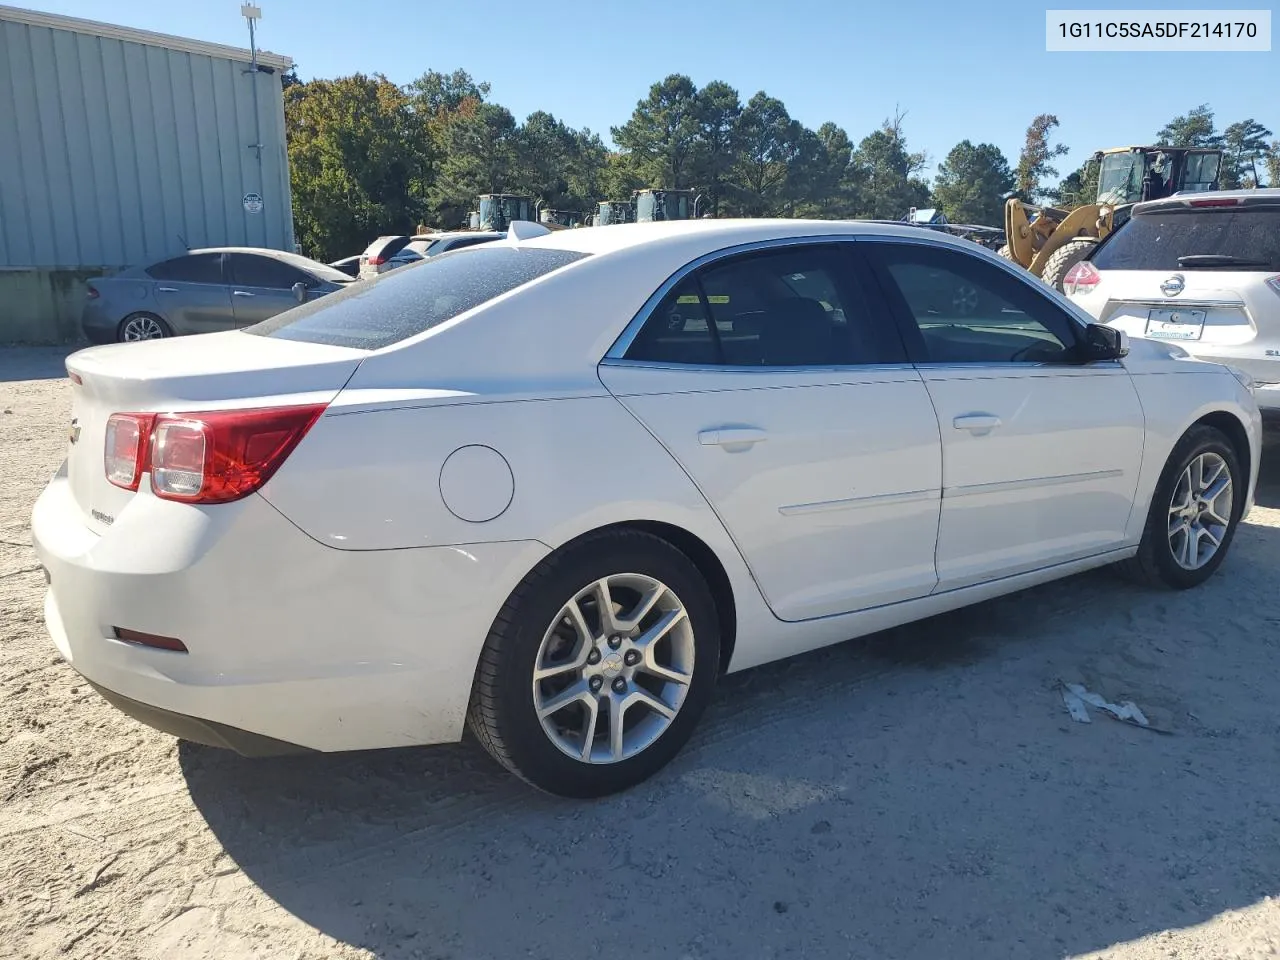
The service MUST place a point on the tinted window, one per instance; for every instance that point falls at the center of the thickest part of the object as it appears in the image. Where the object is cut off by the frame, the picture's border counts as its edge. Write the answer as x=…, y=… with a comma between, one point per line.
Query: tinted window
x=375, y=313
x=795, y=307
x=1155, y=241
x=969, y=311
x=195, y=268
x=470, y=242
x=250, y=270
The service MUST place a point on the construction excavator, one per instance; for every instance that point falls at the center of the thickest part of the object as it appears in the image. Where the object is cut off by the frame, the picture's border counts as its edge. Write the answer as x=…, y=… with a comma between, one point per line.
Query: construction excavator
x=1049, y=241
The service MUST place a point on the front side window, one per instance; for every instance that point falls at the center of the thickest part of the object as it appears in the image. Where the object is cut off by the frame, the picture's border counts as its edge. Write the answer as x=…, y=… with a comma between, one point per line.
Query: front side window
x=251, y=270
x=965, y=310
x=193, y=268
x=791, y=307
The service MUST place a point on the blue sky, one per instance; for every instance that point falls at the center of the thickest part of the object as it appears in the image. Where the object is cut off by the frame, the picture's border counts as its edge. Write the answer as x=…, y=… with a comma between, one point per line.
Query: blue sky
x=975, y=70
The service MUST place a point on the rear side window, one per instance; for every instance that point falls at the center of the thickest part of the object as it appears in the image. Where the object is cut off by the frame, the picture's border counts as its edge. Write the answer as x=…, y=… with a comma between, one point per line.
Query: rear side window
x=194, y=268
x=1156, y=241
x=370, y=314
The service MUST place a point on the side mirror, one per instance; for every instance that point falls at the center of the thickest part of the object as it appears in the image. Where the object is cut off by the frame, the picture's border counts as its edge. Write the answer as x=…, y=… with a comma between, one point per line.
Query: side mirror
x=300, y=292
x=1105, y=343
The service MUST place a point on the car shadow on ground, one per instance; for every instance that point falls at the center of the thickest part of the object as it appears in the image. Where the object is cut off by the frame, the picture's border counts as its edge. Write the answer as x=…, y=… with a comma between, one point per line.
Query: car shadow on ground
x=917, y=794
x=34, y=363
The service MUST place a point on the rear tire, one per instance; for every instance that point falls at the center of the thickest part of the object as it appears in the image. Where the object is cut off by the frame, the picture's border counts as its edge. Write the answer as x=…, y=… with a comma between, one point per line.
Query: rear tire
x=1063, y=259
x=1162, y=556
x=142, y=326
x=551, y=627
x=1003, y=251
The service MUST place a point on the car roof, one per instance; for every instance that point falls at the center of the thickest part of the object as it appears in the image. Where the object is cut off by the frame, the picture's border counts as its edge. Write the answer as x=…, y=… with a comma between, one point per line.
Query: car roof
x=1267, y=196
x=718, y=234
x=285, y=256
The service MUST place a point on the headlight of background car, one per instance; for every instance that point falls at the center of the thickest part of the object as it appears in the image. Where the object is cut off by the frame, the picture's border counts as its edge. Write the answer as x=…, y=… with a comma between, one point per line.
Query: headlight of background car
x=1246, y=381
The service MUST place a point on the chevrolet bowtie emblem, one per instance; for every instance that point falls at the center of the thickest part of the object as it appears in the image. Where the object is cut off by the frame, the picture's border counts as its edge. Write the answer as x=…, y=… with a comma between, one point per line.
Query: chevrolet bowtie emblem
x=73, y=434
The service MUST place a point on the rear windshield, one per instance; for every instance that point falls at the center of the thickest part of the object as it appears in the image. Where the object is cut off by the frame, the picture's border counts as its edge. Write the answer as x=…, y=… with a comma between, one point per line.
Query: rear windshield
x=1155, y=241
x=369, y=314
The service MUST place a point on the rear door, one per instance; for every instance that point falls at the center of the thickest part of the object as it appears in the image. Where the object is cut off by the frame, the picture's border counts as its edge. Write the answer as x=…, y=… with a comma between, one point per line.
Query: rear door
x=262, y=286
x=1040, y=453
x=788, y=399
x=191, y=294
x=1204, y=276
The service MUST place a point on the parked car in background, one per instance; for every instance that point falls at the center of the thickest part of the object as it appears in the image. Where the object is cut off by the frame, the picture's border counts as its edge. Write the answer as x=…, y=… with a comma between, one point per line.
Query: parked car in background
x=341, y=529
x=1201, y=270
x=202, y=291
x=387, y=253
x=348, y=265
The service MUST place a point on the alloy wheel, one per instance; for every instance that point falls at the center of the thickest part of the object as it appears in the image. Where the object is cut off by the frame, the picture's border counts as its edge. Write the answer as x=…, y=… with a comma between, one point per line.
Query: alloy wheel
x=614, y=668
x=142, y=328
x=1200, y=511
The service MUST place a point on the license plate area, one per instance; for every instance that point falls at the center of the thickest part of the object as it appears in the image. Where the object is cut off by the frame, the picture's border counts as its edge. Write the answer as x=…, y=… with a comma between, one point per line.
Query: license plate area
x=1175, y=324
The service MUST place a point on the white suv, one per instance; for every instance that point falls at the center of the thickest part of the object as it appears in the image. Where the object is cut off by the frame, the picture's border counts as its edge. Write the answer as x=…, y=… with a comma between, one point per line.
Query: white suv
x=1200, y=269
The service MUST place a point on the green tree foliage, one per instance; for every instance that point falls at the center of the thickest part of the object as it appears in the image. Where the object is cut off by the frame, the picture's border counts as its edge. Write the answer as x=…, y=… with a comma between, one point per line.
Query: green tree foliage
x=768, y=145
x=662, y=134
x=971, y=183
x=1035, y=164
x=718, y=114
x=1244, y=144
x=886, y=171
x=360, y=162
x=1192, y=129
x=1271, y=160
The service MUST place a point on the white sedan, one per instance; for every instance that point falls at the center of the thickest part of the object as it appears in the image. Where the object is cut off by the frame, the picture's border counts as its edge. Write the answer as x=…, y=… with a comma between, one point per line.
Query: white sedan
x=554, y=487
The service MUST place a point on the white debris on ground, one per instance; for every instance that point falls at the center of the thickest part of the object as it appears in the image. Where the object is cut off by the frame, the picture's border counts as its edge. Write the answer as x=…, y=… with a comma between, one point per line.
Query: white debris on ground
x=1076, y=696
x=920, y=794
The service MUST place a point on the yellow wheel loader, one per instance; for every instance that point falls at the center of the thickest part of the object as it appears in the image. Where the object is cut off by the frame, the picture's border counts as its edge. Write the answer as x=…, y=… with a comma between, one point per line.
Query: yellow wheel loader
x=1049, y=241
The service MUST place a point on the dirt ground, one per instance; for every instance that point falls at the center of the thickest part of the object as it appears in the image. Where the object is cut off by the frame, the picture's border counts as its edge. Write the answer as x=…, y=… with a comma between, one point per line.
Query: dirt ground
x=920, y=794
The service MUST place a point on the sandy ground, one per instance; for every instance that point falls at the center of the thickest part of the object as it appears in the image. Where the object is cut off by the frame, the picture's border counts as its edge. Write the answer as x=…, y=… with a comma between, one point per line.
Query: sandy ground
x=921, y=794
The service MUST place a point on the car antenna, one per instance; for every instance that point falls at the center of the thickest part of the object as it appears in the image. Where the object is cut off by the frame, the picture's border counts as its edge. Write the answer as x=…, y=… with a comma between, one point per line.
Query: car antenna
x=183, y=240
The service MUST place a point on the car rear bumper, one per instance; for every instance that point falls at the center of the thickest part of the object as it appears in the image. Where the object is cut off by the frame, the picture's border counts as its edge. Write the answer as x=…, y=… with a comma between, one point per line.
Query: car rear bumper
x=291, y=644
x=96, y=325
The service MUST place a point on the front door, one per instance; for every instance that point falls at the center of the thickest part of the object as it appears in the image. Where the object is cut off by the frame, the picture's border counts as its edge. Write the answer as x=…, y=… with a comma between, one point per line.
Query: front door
x=1040, y=453
x=262, y=286
x=792, y=408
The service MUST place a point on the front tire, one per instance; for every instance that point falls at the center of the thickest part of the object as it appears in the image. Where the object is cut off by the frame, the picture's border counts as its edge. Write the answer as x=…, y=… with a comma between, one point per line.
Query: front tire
x=598, y=666
x=1194, y=513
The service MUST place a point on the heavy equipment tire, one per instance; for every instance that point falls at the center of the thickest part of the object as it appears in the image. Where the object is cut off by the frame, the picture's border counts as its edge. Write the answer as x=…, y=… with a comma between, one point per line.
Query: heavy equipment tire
x=1162, y=559
x=1003, y=251
x=1063, y=259
x=553, y=671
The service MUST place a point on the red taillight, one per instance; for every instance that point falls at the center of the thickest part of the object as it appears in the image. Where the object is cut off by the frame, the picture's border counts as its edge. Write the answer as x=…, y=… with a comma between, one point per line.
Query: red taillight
x=1216, y=202
x=1081, y=278
x=75, y=378
x=124, y=454
x=223, y=456
x=377, y=261
x=212, y=457
x=91, y=293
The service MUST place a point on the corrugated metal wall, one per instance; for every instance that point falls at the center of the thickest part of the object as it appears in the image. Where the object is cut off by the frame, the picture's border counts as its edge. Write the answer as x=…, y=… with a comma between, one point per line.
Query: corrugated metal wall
x=115, y=153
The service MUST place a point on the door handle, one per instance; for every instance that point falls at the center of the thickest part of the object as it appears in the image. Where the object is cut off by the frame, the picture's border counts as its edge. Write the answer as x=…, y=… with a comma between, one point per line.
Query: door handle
x=241, y=293
x=977, y=423
x=731, y=437
x=166, y=289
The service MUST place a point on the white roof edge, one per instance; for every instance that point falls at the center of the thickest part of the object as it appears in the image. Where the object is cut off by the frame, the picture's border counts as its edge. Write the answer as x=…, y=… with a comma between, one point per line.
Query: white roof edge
x=55, y=21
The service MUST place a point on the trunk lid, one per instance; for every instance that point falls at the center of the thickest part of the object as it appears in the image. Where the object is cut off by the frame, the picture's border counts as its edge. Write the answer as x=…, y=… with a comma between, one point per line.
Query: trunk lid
x=219, y=371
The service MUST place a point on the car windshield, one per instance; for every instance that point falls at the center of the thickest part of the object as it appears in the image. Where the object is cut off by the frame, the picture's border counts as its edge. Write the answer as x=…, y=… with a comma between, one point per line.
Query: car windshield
x=1120, y=178
x=403, y=303
x=321, y=271
x=1191, y=238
